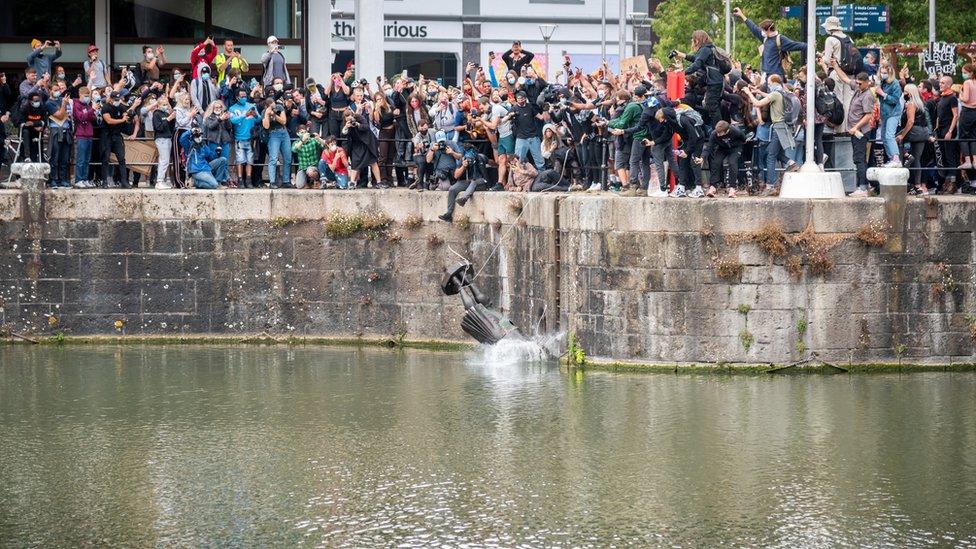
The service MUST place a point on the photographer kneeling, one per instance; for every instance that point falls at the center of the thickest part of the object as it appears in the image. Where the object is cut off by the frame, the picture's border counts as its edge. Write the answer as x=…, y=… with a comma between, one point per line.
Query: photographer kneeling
x=203, y=161
x=470, y=177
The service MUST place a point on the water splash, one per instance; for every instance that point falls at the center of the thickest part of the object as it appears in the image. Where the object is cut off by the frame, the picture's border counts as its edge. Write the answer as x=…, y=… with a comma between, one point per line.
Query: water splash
x=511, y=352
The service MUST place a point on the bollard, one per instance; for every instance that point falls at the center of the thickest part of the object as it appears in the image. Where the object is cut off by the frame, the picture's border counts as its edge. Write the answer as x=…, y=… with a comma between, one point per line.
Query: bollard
x=894, y=189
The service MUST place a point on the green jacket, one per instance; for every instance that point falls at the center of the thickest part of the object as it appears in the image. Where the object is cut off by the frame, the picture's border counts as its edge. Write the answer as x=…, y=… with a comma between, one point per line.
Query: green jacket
x=629, y=118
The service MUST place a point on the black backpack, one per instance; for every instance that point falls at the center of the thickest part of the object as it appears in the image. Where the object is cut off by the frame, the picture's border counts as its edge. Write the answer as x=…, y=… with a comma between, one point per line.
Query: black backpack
x=851, y=61
x=824, y=101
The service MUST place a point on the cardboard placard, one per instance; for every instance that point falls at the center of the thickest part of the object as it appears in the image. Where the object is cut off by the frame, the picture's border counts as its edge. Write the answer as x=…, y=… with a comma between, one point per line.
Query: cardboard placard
x=637, y=62
x=140, y=156
x=939, y=59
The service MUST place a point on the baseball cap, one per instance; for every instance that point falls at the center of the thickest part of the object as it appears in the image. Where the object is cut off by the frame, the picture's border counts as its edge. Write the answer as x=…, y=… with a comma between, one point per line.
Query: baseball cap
x=640, y=91
x=272, y=38
x=92, y=47
x=440, y=136
x=115, y=95
x=522, y=94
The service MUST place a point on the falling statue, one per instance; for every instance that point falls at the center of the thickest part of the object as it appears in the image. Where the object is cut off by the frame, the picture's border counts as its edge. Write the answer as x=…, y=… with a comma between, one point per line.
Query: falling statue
x=480, y=321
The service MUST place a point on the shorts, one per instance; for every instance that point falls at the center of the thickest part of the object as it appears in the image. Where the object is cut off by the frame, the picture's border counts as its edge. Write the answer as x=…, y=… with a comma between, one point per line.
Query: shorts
x=621, y=158
x=243, y=155
x=506, y=145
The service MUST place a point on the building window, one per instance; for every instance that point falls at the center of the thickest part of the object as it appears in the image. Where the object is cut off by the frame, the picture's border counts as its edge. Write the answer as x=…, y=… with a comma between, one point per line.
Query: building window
x=152, y=19
x=158, y=18
x=28, y=19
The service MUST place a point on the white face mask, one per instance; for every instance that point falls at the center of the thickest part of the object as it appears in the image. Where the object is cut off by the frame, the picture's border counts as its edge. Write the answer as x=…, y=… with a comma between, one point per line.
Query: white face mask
x=278, y=87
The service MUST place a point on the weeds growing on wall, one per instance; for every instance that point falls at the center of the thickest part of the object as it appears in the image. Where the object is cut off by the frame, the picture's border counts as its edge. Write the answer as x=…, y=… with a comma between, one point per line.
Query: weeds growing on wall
x=413, y=222
x=575, y=353
x=874, y=233
x=371, y=223
x=728, y=268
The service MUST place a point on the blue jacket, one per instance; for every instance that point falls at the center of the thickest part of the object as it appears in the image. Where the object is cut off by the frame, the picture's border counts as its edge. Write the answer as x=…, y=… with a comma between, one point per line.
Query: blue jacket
x=198, y=156
x=891, y=104
x=242, y=124
x=772, y=61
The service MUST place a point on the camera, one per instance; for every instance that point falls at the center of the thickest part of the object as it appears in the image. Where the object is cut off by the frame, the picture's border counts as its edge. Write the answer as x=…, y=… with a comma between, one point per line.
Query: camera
x=442, y=144
x=363, y=82
x=672, y=54
x=219, y=149
x=278, y=108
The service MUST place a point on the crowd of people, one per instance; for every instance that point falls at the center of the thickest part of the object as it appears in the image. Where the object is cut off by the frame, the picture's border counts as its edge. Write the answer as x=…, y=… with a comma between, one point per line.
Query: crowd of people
x=735, y=130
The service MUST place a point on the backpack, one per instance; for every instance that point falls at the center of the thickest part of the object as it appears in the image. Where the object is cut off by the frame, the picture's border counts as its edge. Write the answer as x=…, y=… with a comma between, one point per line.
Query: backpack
x=722, y=60
x=684, y=111
x=785, y=61
x=824, y=101
x=791, y=107
x=18, y=114
x=851, y=61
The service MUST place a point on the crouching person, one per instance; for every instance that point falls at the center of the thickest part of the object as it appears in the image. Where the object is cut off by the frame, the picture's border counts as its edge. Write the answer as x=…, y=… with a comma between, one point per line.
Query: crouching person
x=723, y=151
x=207, y=168
x=469, y=177
x=308, y=149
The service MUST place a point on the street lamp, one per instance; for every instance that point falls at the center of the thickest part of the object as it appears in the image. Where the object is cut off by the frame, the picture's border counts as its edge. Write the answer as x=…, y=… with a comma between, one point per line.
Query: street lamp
x=638, y=20
x=547, y=30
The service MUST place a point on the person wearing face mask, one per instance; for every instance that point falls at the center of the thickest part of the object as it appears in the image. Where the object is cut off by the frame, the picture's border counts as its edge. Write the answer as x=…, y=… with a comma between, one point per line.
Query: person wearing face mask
x=334, y=164
x=307, y=150
x=59, y=142
x=383, y=118
x=207, y=169
x=217, y=129
x=202, y=55
x=96, y=72
x=203, y=90
x=274, y=63
x=275, y=121
x=888, y=91
x=317, y=107
x=527, y=132
x=967, y=118
x=164, y=124
x=33, y=116
x=152, y=60
x=114, y=115
x=244, y=118
x=781, y=143
x=338, y=93
x=775, y=49
x=43, y=55
x=399, y=92
x=83, y=116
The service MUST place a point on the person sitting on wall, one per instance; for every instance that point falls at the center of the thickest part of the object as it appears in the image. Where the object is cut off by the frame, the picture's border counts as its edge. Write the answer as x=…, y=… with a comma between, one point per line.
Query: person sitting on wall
x=204, y=164
x=442, y=157
x=470, y=176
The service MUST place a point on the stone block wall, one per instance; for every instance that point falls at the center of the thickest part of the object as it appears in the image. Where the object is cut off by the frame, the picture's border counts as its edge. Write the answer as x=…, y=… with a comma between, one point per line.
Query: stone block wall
x=635, y=279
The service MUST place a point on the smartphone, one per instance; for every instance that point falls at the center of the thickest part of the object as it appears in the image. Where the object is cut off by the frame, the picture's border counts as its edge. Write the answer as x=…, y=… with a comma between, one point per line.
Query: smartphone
x=237, y=49
x=403, y=74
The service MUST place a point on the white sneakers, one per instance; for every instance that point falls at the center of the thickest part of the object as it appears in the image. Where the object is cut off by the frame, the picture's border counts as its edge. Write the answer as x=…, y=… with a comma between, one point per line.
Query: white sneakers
x=594, y=188
x=83, y=184
x=165, y=185
x=678, y=192
x=697, y=192
x=659, y=193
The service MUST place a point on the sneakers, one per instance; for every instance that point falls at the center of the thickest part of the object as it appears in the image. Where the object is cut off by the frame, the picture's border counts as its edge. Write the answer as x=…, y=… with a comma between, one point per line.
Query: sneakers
x=659, y=193
x=81, y=185
x=446, y=217
x=641, y=192
x=594, y=188
x=711, y=192
x=792, y=166
x=771, y=190
x=697, y=192
x=678, y=192
x=164, y=186
x=574, y=188
x=860, y=193
x=967, y=165
x=731, y=192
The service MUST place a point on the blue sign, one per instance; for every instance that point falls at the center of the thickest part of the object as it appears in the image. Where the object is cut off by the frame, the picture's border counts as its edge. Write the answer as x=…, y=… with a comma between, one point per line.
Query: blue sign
x=853, y=17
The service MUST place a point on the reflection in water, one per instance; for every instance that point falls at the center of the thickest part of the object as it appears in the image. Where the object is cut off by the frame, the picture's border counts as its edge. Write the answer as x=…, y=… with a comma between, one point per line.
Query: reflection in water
x=315, y=446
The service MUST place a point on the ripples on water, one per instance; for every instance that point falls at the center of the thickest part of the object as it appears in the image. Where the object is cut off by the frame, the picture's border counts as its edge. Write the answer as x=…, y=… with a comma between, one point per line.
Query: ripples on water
x=191, y=446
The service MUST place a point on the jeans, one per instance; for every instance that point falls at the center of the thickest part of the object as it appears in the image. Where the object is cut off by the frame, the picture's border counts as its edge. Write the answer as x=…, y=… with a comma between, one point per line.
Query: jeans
x=775, y=151
x=279, y=144
x=59, y=155
x=640, y=163
x=890, y=126
x=82, y=158
x=213, y=178
x=531, y=145
x=469, y=187
x=165, y=146
x=662, y=154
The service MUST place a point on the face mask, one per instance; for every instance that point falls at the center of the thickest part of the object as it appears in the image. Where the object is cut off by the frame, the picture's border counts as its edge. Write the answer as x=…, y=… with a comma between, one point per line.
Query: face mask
x=176, y=75
x=198, y=139
x=150, y=56
x=332, y=148
x=35, y=104
x=61, y=75
x=511, y=81
x=241, y=100
x=278, y=87
x=389, y=93
x=86, y=100
x=966, y=76
x=529, y=81
x=118, y=103
x=96, y=97
x=205, y=76
x=56, y=94
x=601, y=94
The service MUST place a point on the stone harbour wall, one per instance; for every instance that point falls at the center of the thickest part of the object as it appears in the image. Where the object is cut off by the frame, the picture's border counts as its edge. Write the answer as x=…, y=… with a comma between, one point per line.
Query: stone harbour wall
x=642, y=280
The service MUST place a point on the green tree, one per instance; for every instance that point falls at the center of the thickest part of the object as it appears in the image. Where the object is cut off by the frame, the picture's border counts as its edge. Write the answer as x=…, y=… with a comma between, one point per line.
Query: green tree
x=675, y=20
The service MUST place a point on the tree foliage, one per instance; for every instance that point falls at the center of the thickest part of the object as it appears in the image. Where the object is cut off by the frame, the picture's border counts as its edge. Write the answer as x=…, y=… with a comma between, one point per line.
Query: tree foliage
x=675, y=20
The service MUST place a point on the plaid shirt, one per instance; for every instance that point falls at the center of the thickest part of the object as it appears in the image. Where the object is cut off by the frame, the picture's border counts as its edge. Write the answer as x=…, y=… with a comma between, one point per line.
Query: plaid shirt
x=307, y=152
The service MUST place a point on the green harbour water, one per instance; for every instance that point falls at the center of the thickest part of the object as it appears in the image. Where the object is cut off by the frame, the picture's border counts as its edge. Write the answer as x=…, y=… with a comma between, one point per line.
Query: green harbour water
x=257, y=446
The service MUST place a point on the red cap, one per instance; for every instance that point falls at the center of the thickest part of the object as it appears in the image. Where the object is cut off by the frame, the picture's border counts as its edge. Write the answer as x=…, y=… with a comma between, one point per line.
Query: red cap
x=92, y=47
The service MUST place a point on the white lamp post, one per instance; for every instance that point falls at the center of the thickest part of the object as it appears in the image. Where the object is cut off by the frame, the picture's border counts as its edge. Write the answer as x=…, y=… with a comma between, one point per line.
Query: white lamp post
x=547, y=30
x=811, y=181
